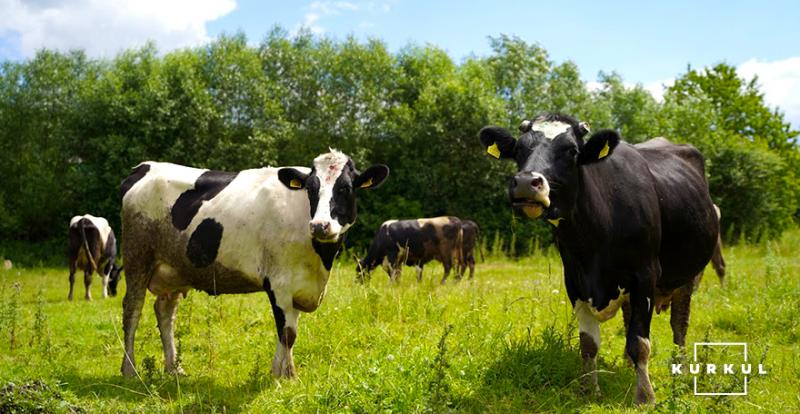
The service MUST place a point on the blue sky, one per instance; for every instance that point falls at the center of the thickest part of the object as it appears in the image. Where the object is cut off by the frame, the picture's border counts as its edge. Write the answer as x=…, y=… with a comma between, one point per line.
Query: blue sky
x=646, y=42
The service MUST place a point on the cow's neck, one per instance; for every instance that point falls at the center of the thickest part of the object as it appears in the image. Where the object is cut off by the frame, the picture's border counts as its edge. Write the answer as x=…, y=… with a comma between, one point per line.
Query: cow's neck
x=582, y=225
x=327, y=252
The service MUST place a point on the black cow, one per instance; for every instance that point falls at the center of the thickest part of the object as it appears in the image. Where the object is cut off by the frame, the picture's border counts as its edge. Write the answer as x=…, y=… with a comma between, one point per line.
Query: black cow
x=92, y=248
x=414, y=242
x=633, y=224
x=470, y=239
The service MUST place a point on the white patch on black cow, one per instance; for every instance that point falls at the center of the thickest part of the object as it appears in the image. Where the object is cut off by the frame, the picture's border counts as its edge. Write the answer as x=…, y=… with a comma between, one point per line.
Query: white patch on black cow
x=551, y=129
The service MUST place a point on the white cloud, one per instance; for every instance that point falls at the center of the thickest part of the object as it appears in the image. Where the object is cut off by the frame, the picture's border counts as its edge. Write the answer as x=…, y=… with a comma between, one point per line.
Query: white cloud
x=658, y=88
x=318, y=10
x=103, y=27
x=779, y=80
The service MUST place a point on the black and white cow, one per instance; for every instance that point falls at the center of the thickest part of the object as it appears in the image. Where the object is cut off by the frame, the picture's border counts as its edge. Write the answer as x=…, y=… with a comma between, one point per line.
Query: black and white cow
x=415, y=243
x=471, y=232
x=634, y=225
x=92, y=248
x=270, y=229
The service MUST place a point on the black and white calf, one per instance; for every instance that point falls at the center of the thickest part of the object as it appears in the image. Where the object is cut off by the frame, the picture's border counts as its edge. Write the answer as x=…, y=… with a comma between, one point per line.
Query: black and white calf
x=270, y=229
x=92, y=248
x=634, y=225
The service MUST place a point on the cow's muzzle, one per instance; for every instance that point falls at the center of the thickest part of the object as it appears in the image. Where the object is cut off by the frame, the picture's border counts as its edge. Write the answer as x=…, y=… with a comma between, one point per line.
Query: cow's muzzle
x=530, y=193
x=321, y=231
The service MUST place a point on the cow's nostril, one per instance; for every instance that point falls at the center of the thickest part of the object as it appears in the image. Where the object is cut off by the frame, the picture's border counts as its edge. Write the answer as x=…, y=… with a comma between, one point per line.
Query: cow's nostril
x=326, y=226
x=536, y=182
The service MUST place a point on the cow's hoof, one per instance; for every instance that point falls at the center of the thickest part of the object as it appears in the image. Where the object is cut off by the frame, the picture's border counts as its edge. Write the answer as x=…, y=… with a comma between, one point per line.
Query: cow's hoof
x=645, y=394
x=175, y=371
x=128, y=370
x=645, y=398
x=283, y=369
x=591, y=390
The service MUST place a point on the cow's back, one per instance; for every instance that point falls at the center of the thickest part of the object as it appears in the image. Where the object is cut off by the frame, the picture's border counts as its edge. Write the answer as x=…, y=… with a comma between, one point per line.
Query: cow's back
x=224, y=231
x=424, y=239
x=689, y=222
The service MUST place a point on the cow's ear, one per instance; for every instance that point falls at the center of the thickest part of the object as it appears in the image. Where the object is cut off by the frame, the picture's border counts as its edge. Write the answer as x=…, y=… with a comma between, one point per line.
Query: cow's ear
x=293, y=179
x=372, y=177
x=499, y=143
x=582, y=129
x=598, y=147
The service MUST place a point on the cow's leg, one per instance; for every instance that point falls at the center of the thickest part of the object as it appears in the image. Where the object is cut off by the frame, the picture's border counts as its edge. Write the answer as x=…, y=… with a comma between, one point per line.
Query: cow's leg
x=589, y=334
x=471, y=262
x=87, y=283
x=626, y=314
x=131, y=312
x=637, y=341
x=447, y=265
x=679, y=316
x=286, y=324
x=392, y=266
x=718, y=261
x=166, y=306
x=72, y=269
x=106, y=273
x=419, y=271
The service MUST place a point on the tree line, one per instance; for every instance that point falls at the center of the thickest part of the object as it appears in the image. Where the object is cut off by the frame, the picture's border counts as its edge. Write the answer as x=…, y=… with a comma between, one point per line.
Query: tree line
x=72, y=127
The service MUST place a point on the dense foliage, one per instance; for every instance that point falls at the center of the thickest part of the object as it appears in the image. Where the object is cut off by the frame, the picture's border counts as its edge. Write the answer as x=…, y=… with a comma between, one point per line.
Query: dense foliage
x=71, y=128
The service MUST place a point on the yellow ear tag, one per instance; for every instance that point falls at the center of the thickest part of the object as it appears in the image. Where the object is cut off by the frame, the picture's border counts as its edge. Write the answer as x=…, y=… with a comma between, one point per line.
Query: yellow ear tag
x=604, y=151
x=494, y=151
x=366, y=184
x=295, y=183
x=556, y=221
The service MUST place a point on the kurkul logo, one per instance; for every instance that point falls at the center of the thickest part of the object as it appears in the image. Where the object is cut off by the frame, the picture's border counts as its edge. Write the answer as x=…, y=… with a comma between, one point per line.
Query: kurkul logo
x=700, y=369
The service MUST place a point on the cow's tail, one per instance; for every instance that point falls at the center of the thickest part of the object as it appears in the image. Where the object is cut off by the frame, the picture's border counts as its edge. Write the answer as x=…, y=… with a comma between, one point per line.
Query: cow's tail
x=86, y=246
x=459, y=251
x=479, y=243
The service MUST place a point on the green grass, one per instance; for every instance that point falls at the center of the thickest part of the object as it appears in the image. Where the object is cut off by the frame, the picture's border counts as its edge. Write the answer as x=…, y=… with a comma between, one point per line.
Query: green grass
x=503, y=342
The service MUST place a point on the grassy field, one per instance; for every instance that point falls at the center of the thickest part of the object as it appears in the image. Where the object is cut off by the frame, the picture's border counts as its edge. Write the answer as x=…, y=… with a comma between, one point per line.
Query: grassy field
x=503, y=342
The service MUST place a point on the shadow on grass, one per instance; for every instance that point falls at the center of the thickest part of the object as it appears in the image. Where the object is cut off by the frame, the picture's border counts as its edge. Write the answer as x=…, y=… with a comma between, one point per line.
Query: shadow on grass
x=195, y=394
x=542, y=374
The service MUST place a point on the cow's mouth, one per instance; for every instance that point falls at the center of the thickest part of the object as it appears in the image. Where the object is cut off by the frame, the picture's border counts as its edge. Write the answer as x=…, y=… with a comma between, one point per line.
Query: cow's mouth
x=327, y=239
x=531, y=208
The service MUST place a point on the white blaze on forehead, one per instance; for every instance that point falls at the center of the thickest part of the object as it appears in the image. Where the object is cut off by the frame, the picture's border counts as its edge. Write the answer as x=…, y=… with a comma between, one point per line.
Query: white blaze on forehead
x=550, y=129
x=328, y=168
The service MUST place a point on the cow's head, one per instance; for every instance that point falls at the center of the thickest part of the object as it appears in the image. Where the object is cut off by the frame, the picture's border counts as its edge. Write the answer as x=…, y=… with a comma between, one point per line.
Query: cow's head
x=331, y=187
x=113, y=279
x=363, y=269
x=549, y=153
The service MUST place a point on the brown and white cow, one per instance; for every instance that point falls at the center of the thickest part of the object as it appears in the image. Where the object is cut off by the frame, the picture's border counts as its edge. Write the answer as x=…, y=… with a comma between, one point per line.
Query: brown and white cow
x=415, y=243
x=92, y=248
x=273, y=230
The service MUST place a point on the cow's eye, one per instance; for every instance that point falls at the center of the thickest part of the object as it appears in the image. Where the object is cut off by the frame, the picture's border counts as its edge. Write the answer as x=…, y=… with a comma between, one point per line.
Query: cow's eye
x=572, y=151
x=343, y=190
